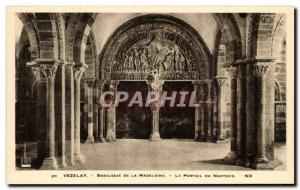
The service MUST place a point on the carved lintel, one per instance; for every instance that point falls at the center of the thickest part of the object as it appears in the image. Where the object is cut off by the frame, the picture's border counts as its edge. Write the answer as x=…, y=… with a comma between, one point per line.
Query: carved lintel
x=220, y=81
x=79, y=70
x=232, y=72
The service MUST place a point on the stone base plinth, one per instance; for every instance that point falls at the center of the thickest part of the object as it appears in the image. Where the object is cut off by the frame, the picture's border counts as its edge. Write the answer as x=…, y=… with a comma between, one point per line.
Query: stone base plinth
x=90, y=140
x=268, y=165
x=202, y=138
x=79, y=158
x=49, y=164
x=230, y=158
x=102, y=140
x=155, y=137
x=222, y=141
x=70, y=163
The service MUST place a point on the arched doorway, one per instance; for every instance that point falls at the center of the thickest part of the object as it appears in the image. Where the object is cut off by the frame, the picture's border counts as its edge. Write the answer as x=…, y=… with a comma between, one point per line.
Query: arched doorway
x=133, y=122
x=177, y=121
x=156, y=49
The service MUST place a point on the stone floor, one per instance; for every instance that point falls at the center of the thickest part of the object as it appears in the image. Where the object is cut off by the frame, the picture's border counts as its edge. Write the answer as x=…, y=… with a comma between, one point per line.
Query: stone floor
x=161, y=155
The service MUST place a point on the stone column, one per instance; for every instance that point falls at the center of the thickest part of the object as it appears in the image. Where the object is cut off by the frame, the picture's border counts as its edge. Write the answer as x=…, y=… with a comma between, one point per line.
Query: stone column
x=41, y=113
x=241, y=114
x=155, y=121
x=221, y=106
x=95, y=111
x=203, y=131
x=197, y=111
x=111, y=113
x=69, y=113
x=101, y=123
x=78, y=72
x=49, y=70
x=250, y=116
x=155, y=87
x=233, y=73
x=90, y=85
x=261, y=70
x=209, y=110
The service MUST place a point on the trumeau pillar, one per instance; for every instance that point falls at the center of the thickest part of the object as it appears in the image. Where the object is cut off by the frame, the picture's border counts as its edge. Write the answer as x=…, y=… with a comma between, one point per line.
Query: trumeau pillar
x=90, y=85
x=156, y=87
x=111, y=113
x=101, y=123
x=48, y=69
x=233, y=74
x=69, y=104
x=221, y=107
x=78, y=72
x=264, y=112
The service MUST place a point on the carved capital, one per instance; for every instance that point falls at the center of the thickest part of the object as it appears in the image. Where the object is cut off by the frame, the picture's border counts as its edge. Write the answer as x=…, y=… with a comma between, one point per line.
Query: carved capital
x=49, y=70
x=113, y=85
x=261, y=68
x=154, y=106
x=90, y=82
x=220, y=81
x=232, y=72
x=37, y=72
x=69, y=64
x=79, y=70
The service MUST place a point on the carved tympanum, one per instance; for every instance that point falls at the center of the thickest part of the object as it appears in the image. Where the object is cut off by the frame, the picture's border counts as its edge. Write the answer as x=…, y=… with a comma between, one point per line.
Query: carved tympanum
x=153, y=42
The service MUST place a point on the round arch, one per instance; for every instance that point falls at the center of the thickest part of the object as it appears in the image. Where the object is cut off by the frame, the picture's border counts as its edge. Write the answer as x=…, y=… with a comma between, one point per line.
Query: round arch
x=174, y=41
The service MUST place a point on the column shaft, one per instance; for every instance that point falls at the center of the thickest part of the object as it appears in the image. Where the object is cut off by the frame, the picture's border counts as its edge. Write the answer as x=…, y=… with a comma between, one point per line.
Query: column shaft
x=231, y=157
x=90, y=113
x=78, y=72
x=49, y=71
x=69, y=114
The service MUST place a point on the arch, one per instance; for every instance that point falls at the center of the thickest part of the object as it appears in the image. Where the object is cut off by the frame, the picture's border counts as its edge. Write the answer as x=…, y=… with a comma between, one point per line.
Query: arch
x=141, y=32
x=90, y=57
x=229, y=27
x=260, y=34
x=78, y=29
x=31, y=30
x=46, y=34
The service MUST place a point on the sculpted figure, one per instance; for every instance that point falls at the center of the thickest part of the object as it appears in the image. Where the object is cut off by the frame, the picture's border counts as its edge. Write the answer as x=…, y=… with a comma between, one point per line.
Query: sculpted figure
x=126, y=63
x=137, y=59
x=130, y=62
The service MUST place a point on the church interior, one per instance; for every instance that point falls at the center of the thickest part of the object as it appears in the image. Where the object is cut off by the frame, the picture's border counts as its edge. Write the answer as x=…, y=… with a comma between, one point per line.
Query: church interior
x=234, y=62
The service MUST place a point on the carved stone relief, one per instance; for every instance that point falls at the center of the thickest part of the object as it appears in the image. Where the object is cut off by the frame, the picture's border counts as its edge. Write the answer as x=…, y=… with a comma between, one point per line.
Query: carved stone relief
x=164, y=47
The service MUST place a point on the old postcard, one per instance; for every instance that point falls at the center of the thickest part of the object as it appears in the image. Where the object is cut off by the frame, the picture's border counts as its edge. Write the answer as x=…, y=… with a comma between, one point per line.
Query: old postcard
x=150, y=95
